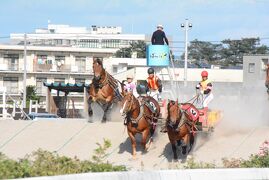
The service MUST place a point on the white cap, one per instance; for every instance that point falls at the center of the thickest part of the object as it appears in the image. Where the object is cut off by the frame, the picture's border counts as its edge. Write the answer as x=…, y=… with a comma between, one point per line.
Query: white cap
x=160, y=26
x=129, y=76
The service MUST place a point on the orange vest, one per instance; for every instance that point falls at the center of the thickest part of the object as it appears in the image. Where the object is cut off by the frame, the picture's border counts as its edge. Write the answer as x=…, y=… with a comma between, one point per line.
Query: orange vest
x=152, y=83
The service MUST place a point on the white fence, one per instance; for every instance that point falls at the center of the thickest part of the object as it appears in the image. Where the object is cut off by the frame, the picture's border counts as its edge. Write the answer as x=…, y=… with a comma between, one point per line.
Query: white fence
x=190, y=174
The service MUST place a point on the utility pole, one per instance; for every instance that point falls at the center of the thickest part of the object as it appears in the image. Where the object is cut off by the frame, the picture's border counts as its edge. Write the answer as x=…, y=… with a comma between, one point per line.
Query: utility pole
x=24, y=71
x=186, y=27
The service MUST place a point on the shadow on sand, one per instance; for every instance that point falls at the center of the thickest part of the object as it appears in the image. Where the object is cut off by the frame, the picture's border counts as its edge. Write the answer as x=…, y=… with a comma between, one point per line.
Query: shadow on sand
x=127, y=146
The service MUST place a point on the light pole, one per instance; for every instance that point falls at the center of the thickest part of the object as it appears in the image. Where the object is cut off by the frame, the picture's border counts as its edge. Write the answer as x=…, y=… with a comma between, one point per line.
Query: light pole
x=24, y=71
x=186, y=27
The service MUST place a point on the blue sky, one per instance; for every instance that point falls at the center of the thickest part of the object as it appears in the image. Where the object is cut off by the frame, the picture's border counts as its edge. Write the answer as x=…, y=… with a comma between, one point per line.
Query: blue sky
x=213, y=20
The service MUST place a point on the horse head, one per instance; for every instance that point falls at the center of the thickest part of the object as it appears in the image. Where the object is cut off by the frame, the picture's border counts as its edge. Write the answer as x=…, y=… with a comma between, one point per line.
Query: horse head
x=127, y=103
x=174, y=112
x=98, y=69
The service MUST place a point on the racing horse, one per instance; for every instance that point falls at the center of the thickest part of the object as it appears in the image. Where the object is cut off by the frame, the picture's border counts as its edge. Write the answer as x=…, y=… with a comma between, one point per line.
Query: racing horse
x=141, y=117
x=103, y=89
x=179, y=129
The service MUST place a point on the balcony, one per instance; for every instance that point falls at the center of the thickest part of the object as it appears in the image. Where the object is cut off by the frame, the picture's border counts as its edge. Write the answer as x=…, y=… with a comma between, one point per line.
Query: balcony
x=51, y=68
x=9, y=67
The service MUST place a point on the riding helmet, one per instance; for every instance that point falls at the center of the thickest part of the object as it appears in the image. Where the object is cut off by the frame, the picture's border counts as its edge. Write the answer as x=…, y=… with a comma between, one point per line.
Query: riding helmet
x=150, y=71
x=204, y=74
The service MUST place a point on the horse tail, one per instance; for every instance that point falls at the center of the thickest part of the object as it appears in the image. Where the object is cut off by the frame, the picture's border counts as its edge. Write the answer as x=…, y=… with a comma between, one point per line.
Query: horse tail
x=192, y=141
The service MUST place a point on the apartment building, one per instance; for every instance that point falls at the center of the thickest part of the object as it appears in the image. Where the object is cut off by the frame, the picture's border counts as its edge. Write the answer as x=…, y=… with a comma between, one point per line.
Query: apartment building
x=58, y=53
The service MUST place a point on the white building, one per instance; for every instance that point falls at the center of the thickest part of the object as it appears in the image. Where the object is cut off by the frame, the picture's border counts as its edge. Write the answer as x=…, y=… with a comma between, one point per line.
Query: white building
x=59, y=53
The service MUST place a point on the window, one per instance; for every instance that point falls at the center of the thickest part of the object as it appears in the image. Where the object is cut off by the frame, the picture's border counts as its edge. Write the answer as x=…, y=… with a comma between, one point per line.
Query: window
x=81, y=63
x=88, y=43
x=40, y=89
x=12, y=60
x=115, y=69
x=58, y=41
x=79, y=80
x=251, y=67
x=59, y=60
x=12, y=84
x=110, y=43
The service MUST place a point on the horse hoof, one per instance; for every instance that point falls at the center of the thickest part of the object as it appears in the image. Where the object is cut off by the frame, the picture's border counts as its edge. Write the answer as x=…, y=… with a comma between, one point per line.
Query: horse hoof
x=90, y=121
x=183, y=160
x=103, y=121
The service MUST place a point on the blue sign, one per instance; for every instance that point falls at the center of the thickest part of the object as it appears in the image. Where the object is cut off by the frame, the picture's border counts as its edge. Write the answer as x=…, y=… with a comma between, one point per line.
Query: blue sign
x=157, y=55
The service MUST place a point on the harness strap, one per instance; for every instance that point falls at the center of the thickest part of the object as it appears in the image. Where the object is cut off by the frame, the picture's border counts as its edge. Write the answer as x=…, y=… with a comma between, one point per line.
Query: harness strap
x=141, y=113
x=182, y=120
x=112, y=82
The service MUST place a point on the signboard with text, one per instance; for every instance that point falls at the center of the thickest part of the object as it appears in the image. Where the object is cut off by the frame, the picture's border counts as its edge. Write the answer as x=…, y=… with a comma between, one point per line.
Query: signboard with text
x=157, y=55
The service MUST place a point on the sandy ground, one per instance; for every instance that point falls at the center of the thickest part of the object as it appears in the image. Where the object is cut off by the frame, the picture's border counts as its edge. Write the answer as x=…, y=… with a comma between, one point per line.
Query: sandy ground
x=78, y=138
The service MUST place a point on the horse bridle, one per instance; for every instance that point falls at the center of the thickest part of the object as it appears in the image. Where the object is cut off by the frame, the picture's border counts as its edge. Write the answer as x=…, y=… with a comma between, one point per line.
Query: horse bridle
x=103, y=82
x=178, y=118
x=131, y=104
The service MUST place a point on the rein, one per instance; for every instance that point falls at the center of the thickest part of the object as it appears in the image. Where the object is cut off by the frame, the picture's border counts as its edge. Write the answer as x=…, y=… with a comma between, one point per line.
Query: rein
x=112, y=82
x=102, y=84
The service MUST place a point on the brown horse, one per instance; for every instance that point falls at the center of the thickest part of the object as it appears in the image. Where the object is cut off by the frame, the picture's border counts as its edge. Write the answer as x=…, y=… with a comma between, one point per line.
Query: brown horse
x=178, y=129
x=141, y=117
x=103, y=89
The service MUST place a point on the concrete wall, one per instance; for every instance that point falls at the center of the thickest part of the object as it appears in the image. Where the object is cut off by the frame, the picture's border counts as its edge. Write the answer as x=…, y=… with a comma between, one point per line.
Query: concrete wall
x=254, y=69
x=193, y=174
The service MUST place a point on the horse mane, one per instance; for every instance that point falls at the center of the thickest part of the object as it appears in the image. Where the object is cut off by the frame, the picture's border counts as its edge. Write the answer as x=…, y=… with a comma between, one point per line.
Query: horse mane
x=99, y=61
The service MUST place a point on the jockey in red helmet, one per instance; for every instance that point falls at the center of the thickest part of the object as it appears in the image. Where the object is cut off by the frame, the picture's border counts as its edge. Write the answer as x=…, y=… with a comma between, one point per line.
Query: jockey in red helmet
x=205, y=87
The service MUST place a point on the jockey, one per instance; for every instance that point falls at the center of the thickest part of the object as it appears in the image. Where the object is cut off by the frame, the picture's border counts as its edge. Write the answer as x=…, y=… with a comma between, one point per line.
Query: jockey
x=129, y=85
x=159, y=37
x=205, y=87
x=154, y=85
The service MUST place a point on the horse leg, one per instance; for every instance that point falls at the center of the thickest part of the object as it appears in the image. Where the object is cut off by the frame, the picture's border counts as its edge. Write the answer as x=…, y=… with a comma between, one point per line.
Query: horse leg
x=174, y=148
x=173, y=144
x=145, y=135
x=185, y=144
x=105, y=108
x=90, y=111
x=132, y=137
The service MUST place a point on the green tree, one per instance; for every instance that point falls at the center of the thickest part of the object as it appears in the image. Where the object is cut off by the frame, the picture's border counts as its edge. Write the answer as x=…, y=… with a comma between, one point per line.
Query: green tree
x=234, y=50
x=31, y=94
x=136, y=46
x=204, y=51
x=228, y=52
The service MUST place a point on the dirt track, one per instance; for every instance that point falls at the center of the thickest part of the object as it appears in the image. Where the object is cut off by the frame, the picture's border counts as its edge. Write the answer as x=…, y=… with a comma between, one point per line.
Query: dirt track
x=78, y=138
x=244, y=127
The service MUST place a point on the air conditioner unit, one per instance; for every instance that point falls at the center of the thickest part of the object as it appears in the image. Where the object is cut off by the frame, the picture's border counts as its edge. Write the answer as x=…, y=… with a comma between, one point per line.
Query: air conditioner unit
x=74, y=68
